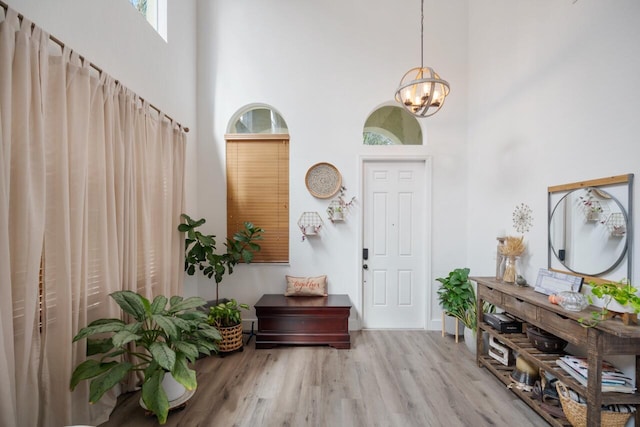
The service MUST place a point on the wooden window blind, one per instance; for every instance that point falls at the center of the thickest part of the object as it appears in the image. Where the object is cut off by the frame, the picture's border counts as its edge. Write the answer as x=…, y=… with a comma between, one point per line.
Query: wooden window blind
x=258, y=190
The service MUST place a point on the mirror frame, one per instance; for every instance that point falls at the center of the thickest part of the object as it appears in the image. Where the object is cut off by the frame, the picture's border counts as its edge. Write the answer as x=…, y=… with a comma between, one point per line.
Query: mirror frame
x=626, y=205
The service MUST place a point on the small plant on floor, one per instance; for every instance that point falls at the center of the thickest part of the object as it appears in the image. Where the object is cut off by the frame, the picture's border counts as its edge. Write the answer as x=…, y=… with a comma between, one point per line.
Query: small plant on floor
x=458, y=298
x=226, y=314
x=456, y=294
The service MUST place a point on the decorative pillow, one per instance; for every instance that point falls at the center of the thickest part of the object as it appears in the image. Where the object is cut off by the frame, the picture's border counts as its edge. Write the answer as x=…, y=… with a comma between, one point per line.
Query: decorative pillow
x=306, y=286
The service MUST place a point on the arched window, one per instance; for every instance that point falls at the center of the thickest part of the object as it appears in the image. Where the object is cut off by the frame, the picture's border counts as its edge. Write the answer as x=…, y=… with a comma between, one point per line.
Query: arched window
x=391, y=125
x=257, y=119
x=258, y=178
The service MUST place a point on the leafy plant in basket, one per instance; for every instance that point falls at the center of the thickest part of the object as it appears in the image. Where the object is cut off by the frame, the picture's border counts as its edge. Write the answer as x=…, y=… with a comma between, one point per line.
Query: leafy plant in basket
x=226, y=314
x=158, y=339
x=621, y=292
x=200, y=250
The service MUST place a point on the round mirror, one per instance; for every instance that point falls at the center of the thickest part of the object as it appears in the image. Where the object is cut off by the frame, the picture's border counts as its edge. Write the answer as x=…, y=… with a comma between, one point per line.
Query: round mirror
x=588, y=231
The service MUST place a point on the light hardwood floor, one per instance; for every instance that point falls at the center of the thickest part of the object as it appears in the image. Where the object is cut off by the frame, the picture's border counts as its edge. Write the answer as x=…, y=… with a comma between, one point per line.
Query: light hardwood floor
x=388, y=378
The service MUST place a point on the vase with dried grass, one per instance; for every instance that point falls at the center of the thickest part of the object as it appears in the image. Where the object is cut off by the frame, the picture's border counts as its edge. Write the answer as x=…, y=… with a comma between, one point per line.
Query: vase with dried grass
x=512, y=249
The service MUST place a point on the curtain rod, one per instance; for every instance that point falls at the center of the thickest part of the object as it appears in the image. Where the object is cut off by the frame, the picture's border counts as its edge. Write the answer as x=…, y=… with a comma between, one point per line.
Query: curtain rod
x=60, y=43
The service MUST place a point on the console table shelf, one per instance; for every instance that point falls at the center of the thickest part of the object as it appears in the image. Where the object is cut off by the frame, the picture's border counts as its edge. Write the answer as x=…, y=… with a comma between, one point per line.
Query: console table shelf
x=609, y=337
x=502, y=372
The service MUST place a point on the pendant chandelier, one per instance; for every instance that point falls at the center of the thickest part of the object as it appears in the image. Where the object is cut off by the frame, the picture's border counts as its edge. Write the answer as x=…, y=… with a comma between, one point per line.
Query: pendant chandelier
x=422, y=91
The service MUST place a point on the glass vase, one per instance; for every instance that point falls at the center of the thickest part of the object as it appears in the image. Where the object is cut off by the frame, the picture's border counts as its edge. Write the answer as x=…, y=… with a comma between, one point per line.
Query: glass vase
x=502, y=260
x=510, y=269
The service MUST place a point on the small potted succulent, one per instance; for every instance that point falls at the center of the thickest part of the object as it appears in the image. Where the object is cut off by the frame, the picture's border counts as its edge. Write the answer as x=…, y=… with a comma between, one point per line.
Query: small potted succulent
x=338, y=206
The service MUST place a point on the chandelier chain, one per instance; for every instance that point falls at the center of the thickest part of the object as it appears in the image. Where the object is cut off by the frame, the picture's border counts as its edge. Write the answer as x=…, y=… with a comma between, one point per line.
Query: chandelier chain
x=422, y=34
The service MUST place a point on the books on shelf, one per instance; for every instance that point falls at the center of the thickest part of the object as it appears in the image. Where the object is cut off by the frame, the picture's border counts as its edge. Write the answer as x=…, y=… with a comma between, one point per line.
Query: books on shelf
x=613, y=379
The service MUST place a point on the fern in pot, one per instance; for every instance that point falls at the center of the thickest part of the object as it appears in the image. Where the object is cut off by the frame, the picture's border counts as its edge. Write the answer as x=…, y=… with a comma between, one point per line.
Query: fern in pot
x=158, y=339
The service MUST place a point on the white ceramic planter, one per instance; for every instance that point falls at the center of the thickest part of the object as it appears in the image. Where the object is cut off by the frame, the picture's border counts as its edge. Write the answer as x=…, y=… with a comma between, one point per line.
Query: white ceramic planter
x=173, y=388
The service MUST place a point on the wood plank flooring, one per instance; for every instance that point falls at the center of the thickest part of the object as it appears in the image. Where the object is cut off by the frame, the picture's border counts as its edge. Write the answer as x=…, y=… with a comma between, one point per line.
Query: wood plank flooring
x=388, y=378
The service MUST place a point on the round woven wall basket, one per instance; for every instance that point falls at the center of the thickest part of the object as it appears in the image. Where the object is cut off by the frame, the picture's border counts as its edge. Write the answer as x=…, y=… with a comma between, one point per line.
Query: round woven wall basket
x=231, y=338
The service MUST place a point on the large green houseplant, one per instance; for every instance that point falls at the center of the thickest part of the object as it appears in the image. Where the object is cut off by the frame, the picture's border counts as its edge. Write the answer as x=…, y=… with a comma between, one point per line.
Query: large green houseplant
x=158, y=338
x=457, y=297
x=200, y=250
x=456, y=294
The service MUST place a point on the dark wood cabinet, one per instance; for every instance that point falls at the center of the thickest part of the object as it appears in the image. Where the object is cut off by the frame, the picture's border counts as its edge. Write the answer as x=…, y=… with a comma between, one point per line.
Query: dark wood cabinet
x=609, y=337
x=303, y=320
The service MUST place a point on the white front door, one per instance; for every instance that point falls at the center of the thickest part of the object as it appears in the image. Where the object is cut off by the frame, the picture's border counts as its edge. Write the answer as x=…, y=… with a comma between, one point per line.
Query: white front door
x=394, y=237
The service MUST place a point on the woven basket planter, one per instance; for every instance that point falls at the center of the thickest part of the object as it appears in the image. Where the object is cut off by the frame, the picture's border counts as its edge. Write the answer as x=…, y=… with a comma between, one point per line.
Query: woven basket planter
x=231, y=338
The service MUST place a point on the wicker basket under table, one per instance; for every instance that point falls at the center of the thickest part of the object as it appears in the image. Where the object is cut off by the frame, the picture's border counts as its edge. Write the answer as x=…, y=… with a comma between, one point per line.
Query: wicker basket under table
x=576, y=412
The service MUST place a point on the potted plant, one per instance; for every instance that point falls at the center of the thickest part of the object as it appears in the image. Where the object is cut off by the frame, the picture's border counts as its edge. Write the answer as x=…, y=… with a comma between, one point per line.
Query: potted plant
x=470, y=322
x=336, y=213
x=622, y=293
x=592, y=207
x=227, y=318
x=200, y=250
x=200, y=254
x=458, y=299
x=456, y=294
x=338, y=206
x=158, y=339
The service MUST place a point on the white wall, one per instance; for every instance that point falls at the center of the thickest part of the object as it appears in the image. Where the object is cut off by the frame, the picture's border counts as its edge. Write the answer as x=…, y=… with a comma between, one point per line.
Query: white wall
x=325, y=66
x=552, y=99
x=543, y=93
x=115, y=37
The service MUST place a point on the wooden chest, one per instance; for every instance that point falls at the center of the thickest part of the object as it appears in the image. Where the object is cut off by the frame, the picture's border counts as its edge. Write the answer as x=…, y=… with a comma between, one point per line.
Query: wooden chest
x=303, y=320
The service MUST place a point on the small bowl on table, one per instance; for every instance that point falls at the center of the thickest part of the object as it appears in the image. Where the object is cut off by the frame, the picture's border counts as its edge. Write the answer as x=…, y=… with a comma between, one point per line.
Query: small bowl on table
x=544, y=341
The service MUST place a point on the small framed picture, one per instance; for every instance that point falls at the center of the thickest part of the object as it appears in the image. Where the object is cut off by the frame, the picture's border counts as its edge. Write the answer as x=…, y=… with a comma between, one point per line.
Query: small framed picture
x=553, y=282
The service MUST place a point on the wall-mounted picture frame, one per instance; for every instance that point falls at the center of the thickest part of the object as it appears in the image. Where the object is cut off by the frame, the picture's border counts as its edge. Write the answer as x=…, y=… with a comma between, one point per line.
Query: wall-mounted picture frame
x=553, y=282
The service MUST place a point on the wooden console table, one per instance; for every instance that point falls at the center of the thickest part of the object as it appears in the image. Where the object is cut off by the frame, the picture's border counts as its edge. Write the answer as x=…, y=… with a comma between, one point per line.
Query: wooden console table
x=303, y=320
x=609, y=337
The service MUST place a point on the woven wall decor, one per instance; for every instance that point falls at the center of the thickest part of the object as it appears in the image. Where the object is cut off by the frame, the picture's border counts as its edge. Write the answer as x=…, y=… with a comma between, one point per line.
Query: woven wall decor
x=323, y=180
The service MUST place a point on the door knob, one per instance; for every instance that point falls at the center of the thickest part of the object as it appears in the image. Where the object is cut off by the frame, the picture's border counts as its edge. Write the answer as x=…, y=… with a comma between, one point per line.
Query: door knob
x=365, y=266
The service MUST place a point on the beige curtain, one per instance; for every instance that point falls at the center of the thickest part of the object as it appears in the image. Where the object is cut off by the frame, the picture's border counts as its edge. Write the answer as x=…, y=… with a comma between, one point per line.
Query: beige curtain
x=91, y=191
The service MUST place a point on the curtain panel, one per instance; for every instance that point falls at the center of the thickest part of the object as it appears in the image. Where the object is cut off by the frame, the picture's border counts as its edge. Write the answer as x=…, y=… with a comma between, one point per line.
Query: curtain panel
x=91, y=192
